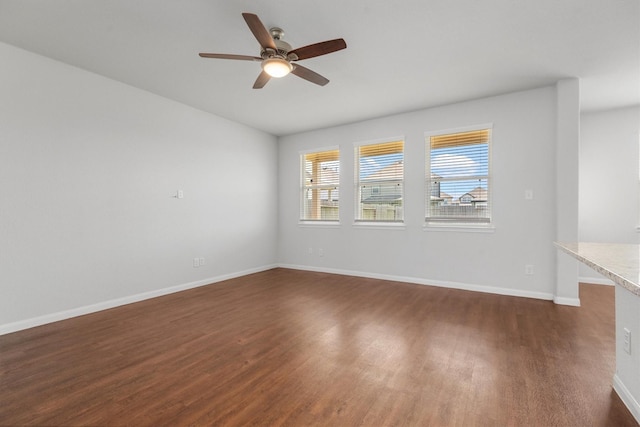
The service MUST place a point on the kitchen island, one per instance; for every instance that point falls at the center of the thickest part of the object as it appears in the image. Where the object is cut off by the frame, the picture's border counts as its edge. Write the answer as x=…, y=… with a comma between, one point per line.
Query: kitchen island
x=621, y=264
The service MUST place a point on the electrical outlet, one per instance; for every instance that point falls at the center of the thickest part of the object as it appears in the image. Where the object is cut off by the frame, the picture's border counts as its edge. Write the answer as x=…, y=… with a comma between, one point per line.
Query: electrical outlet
x=528, y=194
x=201, y=262
x=196, y=262
x=180, y=194
x=626, y=340
x=321, y=252
x=528, y=270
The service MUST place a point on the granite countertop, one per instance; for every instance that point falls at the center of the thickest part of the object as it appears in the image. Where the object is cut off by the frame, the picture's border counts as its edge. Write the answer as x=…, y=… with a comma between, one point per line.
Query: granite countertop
x=618, y=262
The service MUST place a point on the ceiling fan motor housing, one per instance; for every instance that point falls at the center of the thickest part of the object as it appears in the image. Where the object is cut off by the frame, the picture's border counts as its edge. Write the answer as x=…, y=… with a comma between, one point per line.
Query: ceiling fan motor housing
x=283, y=46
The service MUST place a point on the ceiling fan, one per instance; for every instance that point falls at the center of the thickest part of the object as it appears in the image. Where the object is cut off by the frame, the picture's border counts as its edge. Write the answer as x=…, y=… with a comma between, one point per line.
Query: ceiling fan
x=276, y=55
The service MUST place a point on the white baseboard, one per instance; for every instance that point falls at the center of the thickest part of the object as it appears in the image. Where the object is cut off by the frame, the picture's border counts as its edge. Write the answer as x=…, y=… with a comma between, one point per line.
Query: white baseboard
x=574, y=302
x=627, y=398
x=87, y=309
x=438, y=283
x=79, y=311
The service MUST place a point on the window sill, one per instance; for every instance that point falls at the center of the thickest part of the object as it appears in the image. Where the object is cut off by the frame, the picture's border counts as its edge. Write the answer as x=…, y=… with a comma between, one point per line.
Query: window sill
x=319, y=224
x=462, y=228
x=379, y=225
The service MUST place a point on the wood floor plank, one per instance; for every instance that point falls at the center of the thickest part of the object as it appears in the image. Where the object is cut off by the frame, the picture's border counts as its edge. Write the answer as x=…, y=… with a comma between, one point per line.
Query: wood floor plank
x=293, y=348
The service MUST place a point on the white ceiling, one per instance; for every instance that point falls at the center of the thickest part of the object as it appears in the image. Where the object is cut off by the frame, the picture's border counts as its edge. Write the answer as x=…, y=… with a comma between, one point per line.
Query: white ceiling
x=400, y=56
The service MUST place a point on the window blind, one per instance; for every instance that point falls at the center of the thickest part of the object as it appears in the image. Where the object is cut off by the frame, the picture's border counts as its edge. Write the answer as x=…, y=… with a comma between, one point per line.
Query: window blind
x=379, y=182
x=458, y=184
x=320, y=190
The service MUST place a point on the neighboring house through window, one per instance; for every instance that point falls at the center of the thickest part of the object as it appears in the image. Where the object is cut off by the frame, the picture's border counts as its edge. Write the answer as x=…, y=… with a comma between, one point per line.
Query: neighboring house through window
x=458, y=190
x=319, y=193
x=379, y=181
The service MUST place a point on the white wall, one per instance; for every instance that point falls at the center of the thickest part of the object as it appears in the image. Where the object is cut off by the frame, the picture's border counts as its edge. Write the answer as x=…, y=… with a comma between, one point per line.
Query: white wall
x=89, y=165
x=609, y=180
x=88, y=168
x=523, y=157
x=567, y=182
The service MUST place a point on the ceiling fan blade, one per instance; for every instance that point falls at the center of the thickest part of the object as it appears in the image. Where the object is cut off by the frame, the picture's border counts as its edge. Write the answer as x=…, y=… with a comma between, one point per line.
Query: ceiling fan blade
x=259, y=31
x=309, y=75
x=227, y=56
x=262, y=80
x=318, y=49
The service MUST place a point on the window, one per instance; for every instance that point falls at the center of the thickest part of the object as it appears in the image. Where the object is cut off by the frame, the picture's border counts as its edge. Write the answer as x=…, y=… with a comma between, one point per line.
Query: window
x=458, y=184
x=379, y=182
x=320, y=179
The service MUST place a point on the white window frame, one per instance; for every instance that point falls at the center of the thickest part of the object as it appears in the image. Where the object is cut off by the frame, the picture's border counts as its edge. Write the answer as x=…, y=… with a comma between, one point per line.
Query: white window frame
x=304, y=187
x=435, y=224
x=367, y=222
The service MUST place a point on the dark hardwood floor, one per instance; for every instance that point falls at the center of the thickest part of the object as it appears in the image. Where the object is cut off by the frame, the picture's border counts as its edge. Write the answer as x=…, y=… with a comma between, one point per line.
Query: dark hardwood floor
x=295, y=348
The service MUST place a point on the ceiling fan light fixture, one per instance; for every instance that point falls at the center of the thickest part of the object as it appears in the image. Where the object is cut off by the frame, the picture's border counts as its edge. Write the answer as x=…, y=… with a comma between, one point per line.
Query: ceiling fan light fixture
x=276, y=67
